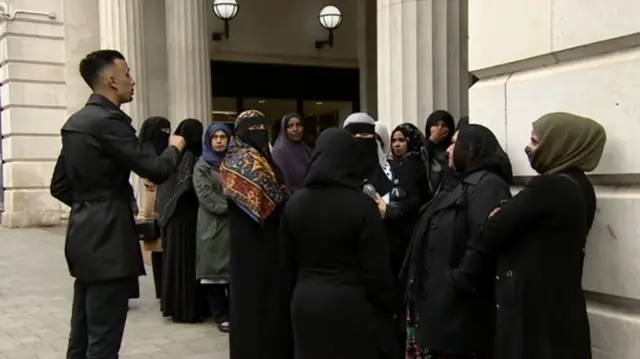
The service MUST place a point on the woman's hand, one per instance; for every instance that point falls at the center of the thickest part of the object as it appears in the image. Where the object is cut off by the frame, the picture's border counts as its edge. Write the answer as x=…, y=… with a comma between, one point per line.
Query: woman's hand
x=149, y=186
x=382, y=206
x=439, y=134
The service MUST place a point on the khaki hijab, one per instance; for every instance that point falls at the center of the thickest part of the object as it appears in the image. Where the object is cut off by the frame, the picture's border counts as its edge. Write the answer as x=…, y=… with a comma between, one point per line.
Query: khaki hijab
x=567, y=140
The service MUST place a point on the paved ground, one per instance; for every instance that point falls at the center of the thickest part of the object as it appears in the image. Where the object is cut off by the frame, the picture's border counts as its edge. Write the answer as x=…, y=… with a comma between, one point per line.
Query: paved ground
x=35, y=298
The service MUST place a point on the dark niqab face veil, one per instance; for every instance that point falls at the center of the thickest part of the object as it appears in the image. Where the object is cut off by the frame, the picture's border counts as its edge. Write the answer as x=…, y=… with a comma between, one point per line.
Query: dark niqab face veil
x=192, y=130
x=156, y=131
x=477, y=148
x=248, y=130
x=367, y=151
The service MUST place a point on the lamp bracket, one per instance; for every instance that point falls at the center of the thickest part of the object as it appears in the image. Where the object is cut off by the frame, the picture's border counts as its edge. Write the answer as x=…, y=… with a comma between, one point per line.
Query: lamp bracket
x=321, y=43
x=218, y=36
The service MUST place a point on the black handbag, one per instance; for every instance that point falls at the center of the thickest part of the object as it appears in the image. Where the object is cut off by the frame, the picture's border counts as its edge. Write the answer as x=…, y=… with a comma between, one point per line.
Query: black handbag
x=147, y=229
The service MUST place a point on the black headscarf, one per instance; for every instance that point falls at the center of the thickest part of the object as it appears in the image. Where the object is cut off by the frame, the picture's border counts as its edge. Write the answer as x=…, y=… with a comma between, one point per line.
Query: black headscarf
x=191, y=130
x=464, y=121
x=433, y=119
x=156, y=131
x=434, y=154
x=477, y=148
x=170, y=192
x=334, y=161
x=414, y=139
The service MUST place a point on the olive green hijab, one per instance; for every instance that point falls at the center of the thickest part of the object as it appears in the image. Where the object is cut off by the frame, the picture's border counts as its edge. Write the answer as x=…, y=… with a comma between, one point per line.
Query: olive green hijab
x=567, y=140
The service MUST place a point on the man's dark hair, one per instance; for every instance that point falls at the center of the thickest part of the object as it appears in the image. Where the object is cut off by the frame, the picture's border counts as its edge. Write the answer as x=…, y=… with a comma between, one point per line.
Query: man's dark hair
x=94, y=63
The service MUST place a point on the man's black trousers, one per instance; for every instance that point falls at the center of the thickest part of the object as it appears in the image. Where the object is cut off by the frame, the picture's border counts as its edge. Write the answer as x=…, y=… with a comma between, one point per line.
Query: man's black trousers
x=98, y=317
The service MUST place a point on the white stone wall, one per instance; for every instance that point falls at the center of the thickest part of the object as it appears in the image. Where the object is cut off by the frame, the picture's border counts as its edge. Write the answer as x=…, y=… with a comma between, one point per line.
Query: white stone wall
x=32, y=73
x=538, y=56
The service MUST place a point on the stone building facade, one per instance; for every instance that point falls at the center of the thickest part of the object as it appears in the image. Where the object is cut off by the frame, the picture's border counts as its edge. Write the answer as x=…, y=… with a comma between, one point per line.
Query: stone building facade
x=531, y=56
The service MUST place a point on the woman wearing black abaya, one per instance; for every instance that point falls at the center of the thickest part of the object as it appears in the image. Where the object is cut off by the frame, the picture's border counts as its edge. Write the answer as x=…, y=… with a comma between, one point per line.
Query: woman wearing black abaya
x=538, y=239
x=343, y=302
x=439, y=131
x=182, y=299
x=154, y=131
x=260, y=326
x=443, y=324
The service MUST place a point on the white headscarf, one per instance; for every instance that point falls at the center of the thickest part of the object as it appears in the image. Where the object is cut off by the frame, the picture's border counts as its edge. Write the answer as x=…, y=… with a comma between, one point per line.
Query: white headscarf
x=383, y=151
x=359, y=117
x=381, y=130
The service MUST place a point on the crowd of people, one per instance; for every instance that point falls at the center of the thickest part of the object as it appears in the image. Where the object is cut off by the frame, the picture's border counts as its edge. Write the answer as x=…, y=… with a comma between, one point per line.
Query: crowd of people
x=371, y=244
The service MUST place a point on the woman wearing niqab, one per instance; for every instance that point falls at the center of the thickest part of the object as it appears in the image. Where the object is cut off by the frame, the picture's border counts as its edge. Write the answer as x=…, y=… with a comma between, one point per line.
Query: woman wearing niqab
x=373, y=162
x=343, y=298
x=154, y=131
x=182, y=299
x=290, y=153
x=441, y=323
x=538, y=239
x=256, y=193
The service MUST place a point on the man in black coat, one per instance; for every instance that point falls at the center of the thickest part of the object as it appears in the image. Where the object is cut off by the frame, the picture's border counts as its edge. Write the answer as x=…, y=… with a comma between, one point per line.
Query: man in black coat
x=99, y=151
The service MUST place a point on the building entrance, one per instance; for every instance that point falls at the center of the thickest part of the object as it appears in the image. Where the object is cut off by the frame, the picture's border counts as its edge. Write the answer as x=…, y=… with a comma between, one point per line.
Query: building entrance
x=324, y=96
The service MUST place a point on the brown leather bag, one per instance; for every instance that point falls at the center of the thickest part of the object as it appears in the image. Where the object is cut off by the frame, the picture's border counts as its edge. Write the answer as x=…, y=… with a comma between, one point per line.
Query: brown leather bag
x=147, y=212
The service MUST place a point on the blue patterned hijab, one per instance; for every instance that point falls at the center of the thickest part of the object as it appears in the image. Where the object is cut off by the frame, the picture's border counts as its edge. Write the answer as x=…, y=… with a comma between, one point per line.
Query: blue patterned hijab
x=209, y=154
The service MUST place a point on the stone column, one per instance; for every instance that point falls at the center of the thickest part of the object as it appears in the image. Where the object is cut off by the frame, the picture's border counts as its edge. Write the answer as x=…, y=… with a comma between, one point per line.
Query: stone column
x=81, y=36
x=122, y=29
x=367, y=57
x=188, y=61
x=422, y=59
x=156, y=64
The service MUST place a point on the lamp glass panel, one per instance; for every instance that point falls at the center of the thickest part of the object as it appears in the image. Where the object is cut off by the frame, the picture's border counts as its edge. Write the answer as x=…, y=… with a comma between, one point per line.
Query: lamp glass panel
x=225, y=9
x=330, y=17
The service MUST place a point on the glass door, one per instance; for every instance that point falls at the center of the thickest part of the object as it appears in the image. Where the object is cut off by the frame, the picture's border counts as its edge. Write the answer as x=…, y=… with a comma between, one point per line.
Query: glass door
x=225, y=110
x=320, y=115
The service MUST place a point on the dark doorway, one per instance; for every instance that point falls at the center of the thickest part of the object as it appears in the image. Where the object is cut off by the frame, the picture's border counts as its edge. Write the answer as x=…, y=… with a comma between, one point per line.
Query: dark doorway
x=324, y=96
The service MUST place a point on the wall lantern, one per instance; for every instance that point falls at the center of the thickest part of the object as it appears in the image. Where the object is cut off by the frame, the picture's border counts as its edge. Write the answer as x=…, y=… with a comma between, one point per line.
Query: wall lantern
x=330, y=18
x=225, y=10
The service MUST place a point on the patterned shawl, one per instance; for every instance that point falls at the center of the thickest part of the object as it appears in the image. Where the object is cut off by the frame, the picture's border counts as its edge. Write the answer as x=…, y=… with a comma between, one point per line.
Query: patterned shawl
x=248, y=177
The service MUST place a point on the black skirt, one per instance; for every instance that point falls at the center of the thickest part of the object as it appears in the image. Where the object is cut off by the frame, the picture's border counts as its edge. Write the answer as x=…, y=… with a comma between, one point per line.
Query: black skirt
x=182, y=296
x=260, y=324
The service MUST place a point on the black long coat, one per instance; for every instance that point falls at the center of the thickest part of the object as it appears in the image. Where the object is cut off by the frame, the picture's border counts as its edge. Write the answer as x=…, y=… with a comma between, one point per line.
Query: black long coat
x=402, y=214
x=99, y=151
x=335, y=244
x=450, y=322
x=539, y=239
